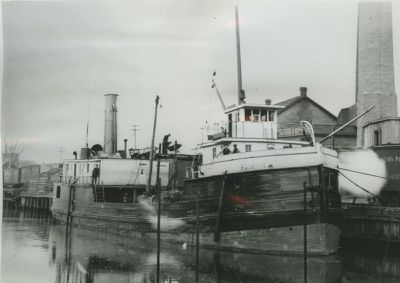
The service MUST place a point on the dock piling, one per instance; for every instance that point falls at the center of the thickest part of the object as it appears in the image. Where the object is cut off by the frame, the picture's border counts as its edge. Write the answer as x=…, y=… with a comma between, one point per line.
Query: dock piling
x=158, y=187
x=305, y=230
x=197, y=237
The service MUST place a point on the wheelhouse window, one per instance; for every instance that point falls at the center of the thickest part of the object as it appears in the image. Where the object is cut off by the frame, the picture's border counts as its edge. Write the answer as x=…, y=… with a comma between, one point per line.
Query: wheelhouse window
x=271, y=115
x=248, y=147
x=264, y=115
x=252, y=115
x=258, y=115
x=247, y=114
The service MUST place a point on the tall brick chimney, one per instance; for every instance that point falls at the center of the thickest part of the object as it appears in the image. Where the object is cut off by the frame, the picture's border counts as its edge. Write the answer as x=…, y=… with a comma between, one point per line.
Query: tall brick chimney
x=375, y=71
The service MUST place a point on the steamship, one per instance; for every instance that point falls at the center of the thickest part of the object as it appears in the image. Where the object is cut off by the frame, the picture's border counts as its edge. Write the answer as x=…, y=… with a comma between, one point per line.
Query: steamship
x=248, y=185
x=246, y=188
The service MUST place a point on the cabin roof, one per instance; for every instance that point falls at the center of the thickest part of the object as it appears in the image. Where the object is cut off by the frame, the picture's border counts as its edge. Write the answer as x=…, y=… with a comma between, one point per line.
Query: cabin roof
x=253, y=105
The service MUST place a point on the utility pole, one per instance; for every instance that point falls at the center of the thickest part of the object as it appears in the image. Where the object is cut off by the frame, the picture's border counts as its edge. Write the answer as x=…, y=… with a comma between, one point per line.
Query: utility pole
x=135, y=128
x=61, y=150
x=148, y=186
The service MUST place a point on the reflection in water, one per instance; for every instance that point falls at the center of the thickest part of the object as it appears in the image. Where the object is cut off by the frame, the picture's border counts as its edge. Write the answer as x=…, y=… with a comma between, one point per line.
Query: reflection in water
x=35, y=250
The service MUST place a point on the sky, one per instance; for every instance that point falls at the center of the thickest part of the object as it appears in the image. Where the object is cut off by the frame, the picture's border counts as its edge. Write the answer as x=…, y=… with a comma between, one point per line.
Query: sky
x=61, y=57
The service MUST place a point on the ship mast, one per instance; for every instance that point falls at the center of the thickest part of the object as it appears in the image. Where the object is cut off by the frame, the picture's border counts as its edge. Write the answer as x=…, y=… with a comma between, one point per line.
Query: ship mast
x=241, y=95
x=148, y=186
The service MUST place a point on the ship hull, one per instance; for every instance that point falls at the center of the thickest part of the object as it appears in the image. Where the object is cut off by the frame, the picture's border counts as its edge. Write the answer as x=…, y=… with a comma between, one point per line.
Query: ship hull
x=322, y=238
x=255, y=211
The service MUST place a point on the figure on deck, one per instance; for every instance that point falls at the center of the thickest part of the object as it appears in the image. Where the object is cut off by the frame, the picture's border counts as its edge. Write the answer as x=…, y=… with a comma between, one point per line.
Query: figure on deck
x=165, y=144
x=95, y=175
x=226, y=150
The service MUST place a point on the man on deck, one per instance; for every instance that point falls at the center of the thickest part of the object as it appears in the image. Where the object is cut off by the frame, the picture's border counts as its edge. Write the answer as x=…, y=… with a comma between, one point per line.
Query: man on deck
x=95, y=175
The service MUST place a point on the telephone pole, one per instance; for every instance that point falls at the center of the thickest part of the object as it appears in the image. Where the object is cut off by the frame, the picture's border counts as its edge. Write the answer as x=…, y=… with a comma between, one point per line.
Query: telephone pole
x=135, y=128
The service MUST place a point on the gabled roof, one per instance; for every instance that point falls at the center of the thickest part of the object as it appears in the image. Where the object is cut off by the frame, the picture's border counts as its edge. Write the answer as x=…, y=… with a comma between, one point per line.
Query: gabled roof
x=294, y=100
x=288, y=102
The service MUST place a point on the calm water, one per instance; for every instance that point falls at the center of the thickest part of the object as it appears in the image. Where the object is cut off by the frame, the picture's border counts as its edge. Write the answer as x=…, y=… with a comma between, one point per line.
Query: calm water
x=35, y=250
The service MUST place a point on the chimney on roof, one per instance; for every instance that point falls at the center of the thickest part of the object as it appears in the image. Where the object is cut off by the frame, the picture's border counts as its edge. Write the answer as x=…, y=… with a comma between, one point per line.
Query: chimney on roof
x=303, y=91
x=267, y=101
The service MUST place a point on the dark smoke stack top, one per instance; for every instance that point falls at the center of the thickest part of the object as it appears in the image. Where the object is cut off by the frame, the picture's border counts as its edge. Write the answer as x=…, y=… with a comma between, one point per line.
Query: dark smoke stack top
x=303, y=91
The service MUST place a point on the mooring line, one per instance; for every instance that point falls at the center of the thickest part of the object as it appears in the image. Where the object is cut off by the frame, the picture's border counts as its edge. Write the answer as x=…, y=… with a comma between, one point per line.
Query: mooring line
x=365, y=190
x=362, y=173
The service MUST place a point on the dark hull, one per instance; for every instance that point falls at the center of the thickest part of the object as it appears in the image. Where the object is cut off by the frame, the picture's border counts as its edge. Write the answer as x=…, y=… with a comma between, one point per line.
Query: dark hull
x=88, y=250
x=256, y=211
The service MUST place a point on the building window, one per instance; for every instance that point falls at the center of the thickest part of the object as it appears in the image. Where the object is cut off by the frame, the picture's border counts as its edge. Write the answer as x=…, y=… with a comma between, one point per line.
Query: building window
x=214, y=152
x=58, y=192
x=248, y=147
x=377, y=138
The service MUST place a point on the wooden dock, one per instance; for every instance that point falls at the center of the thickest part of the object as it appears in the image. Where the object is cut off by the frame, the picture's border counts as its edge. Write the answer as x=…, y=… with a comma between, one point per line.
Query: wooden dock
x=371, y=222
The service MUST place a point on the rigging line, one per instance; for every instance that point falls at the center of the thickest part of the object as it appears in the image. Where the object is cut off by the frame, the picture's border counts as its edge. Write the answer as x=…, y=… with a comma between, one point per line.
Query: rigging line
x=136, y=176
x=362, y=173
x=365, y=190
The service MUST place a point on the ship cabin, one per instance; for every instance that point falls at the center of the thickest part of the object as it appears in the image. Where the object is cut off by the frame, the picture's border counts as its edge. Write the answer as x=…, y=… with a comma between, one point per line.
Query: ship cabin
x=249, y=128
x=118, y=180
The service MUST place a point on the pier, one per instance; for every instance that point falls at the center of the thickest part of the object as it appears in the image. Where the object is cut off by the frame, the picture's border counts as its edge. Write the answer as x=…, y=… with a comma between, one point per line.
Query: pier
x=37, y=192
x=41, y=201
x=371, y=222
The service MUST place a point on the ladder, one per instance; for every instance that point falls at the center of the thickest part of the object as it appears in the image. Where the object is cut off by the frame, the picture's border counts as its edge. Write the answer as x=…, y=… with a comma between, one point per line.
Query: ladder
x=98, y=193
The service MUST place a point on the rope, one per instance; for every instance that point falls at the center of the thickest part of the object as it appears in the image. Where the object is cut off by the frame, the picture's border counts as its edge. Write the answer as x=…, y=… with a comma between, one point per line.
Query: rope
x=368, y=174
x=365, y=190
x=137, y=174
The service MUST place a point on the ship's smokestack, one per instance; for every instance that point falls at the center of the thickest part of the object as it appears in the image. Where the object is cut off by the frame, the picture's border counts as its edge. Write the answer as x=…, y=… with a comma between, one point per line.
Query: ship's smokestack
x=110, y=124
x=125, y=147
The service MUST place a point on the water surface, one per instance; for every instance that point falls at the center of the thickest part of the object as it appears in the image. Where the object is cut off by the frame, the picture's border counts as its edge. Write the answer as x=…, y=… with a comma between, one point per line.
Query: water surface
x=36, y=250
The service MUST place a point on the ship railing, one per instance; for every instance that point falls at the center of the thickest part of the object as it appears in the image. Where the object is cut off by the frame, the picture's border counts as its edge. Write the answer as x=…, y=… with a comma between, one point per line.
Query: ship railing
x=82, y=180
x=192, y=172
x=287, y=130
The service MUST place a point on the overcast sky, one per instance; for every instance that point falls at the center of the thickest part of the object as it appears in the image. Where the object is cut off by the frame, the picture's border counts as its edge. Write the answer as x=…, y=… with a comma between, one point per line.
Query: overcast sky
x=60, y=58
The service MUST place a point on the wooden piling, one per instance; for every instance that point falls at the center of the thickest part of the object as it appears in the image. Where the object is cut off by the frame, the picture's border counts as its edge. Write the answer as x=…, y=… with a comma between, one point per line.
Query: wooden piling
x=219, y=214
x=305, y=230
x=158, y=186
x=197, y=237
